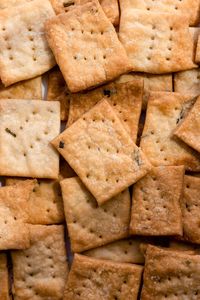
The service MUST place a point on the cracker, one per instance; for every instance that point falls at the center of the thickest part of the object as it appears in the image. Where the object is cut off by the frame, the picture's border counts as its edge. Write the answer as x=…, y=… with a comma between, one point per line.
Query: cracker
x=170, y=274
x=194, y=32
x=90, y=226
x=164, y=112
x=126, y=98
x=10, y=3
x=45, y=204
x=197, y=58
x=188, y=130
x=86, y=47
x=101, y=152
x=189, y=9
x=40, y=272
x=151, y=83
x=182, y=246
x=57, y=90
x=156, y=203
x=155, y=42
x=14, y=233
x=91, y=278
x=4, y=285
x=22, y=40
x=124, y=251
x=29, y=89
x=190, y=205
x=26, y=128
x=187, y=82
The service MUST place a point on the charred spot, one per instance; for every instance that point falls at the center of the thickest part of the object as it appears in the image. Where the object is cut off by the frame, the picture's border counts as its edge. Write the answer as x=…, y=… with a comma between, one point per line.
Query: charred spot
x=61, y=145
x=10, y=132
x=67, y=4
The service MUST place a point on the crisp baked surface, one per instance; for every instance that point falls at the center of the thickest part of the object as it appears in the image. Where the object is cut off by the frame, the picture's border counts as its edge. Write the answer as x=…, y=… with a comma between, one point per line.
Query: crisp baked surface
x=90, y=226
x=117, y=280
x=83, y=65
x=22, y=40
x=4, y=285
x=187, y=82
x=40, y=272
x=26, y=129
x=101, y=152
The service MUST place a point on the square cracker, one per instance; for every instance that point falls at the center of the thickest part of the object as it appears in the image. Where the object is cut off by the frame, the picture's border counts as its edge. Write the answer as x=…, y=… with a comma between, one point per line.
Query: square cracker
x=45, y=204
x=29, y=89
x=187, y=82
x=14, y=233
x=190, y=205
x=86, y=47
x=156, y=42
x=57, y=90
x=126, y=98
x=40, y=272
x=26, y=129
x=4, y=285
x=90, y=226
x=22, y=40
x=164, y=112
x=187, y=8
x=156, y=202
x=170, y=274
x=189, y=128
x=152, y=82
x=91, y=279
x=101, y=152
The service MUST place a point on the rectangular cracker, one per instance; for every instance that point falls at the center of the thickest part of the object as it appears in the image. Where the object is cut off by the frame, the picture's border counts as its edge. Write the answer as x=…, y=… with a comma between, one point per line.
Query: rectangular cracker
x=164, y=112
x=26, y=129
x=29, y=89
x=57, y=90
x=155, y=42
x=86, y=47
x=91, y=279
x=90, y=226
x=152, y=82
x=189, y=128
x=170, y=274
x=40, y=272
x=22, y=40
x=4, y=283
x=101, y=152
x=187, y=8
x=45, y=204
x=156, y=203
x=187, y=82
x=14, y=232
x=126, y=99
x=190, y=205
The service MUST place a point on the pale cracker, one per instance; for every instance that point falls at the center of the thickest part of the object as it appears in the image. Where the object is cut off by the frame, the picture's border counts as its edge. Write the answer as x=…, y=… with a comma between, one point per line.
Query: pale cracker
x=4, y=282
x=24, y=49
x=26, y=129
x=156, y=207
x=90, y=226
x=57, y=90
x=189, y=128
x=101, y=152
x=91, y=279
x=125, y=251
x=190, y=204
x=14, y=232
x=11, y=3
x=152, y=82
x=156, y=42
x=45, y=204
x=164, y=112
x=187, y=82
x=86, y=47
x=126, y=98
x=189, y=9
x=40, y=272
x=197, y=58
x=170, y=274
x=29, y=89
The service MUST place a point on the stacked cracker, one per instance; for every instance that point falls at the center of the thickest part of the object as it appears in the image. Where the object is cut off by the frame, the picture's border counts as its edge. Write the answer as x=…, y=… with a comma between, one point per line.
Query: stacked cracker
x=127, y=185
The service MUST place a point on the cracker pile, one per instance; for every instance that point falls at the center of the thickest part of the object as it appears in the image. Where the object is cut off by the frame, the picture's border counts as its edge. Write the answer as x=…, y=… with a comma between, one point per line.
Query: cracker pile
x=99, y=149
